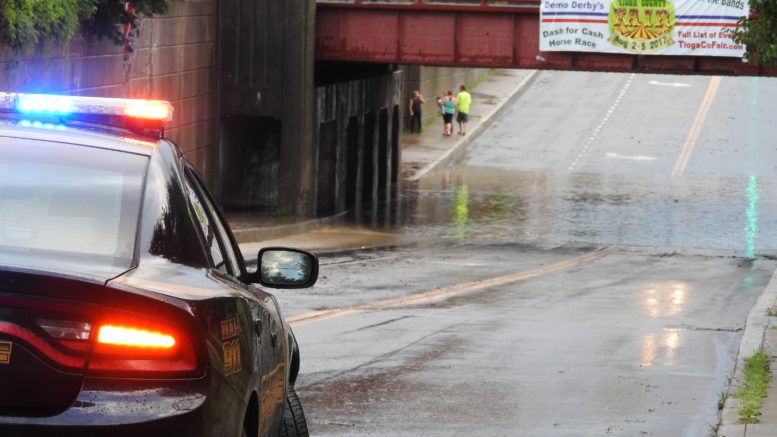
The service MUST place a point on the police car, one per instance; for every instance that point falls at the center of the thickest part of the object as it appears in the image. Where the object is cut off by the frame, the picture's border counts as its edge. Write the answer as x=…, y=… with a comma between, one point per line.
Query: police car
x=125, y=305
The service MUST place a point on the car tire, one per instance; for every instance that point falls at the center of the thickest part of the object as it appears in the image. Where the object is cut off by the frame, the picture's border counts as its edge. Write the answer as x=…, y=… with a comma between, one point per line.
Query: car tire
x=294, y=422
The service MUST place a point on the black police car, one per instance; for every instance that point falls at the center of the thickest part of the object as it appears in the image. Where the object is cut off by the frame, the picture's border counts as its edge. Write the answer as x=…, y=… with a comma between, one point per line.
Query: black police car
x=125, y=305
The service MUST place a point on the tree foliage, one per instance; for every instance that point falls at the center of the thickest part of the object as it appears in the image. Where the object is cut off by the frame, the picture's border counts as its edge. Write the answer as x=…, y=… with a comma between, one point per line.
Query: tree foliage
x=759, y=33
x=24, y=23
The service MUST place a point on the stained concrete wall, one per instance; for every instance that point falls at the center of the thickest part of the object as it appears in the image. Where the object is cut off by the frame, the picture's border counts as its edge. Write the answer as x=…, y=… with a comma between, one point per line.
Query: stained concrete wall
x=432, y=82
x=266, y=58
x=174, y=59
x=358, y=143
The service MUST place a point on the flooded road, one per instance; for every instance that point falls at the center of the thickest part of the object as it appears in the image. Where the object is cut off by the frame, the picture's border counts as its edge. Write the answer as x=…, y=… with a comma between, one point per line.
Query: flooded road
x=599, y=167
x=587, y=270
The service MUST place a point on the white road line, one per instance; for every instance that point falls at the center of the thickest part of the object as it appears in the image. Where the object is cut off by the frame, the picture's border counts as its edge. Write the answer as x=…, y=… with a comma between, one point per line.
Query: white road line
x=599, y=128
x=672, y=84
x=634, y=158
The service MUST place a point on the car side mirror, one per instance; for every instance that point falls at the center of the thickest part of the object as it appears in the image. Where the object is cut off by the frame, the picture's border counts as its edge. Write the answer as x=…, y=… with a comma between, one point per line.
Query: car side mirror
x=280, y=267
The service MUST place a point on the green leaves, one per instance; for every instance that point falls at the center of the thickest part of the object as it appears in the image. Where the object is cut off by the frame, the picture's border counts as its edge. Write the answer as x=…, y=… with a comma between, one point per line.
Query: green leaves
x=760, y=33
x=24, y=23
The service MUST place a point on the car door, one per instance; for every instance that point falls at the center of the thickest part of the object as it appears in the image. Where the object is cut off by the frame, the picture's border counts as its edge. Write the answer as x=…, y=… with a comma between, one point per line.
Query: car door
x=268, y=348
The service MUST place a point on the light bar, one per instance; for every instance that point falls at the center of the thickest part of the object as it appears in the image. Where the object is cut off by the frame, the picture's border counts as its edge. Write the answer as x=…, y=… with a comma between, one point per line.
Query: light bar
x=125, y=336
x=45, y=104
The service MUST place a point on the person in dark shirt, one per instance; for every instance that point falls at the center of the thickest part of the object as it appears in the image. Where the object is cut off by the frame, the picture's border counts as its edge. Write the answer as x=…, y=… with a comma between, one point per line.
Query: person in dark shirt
x=414, y=106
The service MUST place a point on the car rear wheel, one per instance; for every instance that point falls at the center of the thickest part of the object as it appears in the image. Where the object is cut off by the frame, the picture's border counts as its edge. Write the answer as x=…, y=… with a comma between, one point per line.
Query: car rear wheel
x=294, y=423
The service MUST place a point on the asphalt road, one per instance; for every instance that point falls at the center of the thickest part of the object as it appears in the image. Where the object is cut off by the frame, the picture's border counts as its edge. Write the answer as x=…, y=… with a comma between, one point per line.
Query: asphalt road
x=587, y=271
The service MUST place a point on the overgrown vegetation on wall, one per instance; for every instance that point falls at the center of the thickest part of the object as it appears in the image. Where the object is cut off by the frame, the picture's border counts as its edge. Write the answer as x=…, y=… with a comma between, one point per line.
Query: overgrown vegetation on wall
x=24, y=23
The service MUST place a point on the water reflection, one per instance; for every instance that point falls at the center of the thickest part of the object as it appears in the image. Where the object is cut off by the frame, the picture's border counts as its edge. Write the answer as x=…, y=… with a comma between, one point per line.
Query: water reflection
x=751, y=228
x=469, y=203
x=665, y=300
x=663, y=346
x=461, y=210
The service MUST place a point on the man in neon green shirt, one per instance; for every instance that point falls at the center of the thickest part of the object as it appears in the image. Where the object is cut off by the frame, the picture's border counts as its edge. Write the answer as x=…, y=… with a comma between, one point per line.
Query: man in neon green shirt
x=464, y=99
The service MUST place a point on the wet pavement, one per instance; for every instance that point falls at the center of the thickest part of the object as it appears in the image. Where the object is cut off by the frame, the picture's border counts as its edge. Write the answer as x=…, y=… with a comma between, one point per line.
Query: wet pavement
x=606, y=178
x=587, y=270
x=623, y=345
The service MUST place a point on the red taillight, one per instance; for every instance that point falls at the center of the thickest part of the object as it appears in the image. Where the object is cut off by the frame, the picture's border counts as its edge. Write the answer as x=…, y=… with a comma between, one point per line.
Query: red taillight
x=74, y=361
x=141, y=348
x=132, y=337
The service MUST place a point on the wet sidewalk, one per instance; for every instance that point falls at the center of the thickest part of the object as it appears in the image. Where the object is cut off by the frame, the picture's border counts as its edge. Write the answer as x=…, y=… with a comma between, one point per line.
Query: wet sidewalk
x=429, y=149
x=760, y=335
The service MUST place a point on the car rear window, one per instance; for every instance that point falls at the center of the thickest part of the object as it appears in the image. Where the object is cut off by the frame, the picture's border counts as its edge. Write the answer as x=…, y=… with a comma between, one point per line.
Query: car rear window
x=68, y=207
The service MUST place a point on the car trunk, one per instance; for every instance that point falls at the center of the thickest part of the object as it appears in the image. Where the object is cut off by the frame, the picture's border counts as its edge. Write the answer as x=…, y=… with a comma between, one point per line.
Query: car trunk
x=44, y=342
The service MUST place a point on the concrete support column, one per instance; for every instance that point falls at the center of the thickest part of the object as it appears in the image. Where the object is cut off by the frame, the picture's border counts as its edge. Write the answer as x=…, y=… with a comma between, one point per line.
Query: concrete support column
x=341, y=152
x=384, y=158
x=356, y=151
x=371, y=159
x=298, y=136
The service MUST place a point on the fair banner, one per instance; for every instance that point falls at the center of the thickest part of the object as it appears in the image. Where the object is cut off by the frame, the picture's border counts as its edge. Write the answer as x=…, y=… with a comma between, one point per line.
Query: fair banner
x=642, y=27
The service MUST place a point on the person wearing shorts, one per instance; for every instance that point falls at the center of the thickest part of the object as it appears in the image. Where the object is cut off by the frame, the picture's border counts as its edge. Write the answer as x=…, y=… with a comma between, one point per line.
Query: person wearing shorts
x=448, y=105
x=463, y=99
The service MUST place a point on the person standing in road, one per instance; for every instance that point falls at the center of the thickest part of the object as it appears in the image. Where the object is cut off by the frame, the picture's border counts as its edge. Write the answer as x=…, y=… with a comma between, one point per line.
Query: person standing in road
x=448, y=105
x=464, y=99
x=414, y=106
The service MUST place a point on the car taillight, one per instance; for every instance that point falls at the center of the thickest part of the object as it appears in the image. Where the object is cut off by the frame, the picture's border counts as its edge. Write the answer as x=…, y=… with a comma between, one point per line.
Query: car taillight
x=132, y=337
x=72, y=335
x=141, y=348
x=75, y=358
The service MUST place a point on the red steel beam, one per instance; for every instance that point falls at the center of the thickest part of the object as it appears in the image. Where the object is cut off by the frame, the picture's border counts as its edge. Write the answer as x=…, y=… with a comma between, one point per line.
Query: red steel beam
x=480, y=33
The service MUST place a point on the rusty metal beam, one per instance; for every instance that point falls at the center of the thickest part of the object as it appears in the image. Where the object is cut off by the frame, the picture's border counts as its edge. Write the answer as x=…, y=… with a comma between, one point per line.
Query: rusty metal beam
x=480, y=33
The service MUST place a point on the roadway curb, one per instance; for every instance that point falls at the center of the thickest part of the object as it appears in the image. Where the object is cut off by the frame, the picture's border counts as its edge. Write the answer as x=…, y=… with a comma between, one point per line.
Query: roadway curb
x=457, y=151
x=752, y=341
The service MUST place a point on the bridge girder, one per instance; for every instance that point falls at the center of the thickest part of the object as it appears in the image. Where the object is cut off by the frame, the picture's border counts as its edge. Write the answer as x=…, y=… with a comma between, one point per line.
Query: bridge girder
x=485, y=33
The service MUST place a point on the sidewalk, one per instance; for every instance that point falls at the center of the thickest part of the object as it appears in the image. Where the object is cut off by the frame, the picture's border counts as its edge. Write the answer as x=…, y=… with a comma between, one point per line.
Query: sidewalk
x=423, y=152
x=759, y=334
x=420, y=154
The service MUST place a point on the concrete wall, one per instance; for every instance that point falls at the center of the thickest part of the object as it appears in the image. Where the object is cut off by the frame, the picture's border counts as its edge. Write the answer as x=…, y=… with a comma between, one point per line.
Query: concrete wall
x=174, y=59
x=432, y=82
x=266, y=58
x=358, y=144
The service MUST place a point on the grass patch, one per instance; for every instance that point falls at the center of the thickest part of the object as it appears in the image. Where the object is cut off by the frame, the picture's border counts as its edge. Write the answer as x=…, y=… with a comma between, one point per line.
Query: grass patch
x=722, y=400
x=772, y=312
x=756, y=380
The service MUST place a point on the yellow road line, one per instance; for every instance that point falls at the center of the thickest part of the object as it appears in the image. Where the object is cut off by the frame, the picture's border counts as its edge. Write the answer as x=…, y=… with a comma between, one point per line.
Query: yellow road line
x=445, y=292
x=698, y=122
